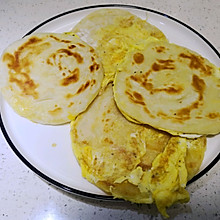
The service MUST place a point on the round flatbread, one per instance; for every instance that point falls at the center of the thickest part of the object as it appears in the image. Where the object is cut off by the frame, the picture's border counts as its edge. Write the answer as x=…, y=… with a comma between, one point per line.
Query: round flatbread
x=170, y=88
x=48, y=77
x=109, y=147
x=113, y=32
x=134, y=162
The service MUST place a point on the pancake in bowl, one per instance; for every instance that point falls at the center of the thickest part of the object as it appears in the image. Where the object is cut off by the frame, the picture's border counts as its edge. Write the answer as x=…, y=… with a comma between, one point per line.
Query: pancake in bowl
x=113, y=32
x=48, y=77
x=130, y=161
x=170, y=88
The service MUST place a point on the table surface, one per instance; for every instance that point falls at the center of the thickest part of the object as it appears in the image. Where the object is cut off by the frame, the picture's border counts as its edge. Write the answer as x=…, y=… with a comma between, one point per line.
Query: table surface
x=23, y=195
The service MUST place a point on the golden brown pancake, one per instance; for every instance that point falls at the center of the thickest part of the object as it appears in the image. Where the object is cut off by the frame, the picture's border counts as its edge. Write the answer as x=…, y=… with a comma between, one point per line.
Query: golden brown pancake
x=130, y=161
x=170, y=88
x=113, y=32
x=46, y=77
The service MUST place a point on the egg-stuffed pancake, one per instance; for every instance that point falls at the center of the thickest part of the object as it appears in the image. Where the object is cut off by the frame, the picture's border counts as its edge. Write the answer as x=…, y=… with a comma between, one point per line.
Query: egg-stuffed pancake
x=46, y=77
x=117, y=155
x=171, y=88
x=113, y=32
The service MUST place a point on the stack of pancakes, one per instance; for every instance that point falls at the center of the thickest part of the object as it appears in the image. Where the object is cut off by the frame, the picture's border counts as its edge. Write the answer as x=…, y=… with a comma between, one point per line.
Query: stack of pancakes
x=140, y=107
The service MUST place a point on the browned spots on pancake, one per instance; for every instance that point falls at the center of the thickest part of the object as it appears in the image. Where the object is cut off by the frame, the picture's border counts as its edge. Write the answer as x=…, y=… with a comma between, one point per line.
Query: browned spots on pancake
x=60, y=40
x=69, y=95
x=181, y=114
x=20, y=62
x=32, y=41
x=76, y=55
x=163, y=65
x=169, y=90
x=70, y=104
x=197, y=62
x=198, y=117
x=94, y=67
x=81, y=45
x=138, y=58
x=72, y=46
x=162, y=114
x=108, y=141
x=213, y=115
x=93, y=82
x=135, y=97
x=72, y=78
x=55, y=111
x=143, y=80
x=85, y=142
x=138, y=96
x=83, y=87
x=199, y=86
x=49, y=62
x=160, y=49
x=184, y=113
x=91, y=50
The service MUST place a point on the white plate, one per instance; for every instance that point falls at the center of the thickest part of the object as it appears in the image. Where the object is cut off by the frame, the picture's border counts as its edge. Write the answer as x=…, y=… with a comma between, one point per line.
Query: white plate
x=47, y=149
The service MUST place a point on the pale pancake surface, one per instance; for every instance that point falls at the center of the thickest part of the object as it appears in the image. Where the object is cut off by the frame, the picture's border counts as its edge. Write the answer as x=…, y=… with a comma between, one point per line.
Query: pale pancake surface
x=113, y=32
x=48, y=77
x=170, y=88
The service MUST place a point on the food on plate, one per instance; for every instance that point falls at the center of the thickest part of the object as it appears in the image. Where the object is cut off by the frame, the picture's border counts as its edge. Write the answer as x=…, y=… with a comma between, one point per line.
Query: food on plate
x=46, y=77
x=113, y=32
x=170, y=88
x=135, y=162
x=130, y=96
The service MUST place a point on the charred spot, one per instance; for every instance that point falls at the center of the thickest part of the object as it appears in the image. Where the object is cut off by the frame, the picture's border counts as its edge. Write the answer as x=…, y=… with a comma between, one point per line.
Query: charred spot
x=81, y=45
x=148, y=86
x=163, y=65
x=184, y=113
x=94, y=67
x=213, y=115
x=91, y=50
x=197, y=62
x=170, y=90
x=60, y=40
x=133, y=97
x=83, y=87
x=138, y=58
x=160, y=49
x=199, y=85
x=31, y=41
x=72, y=78
x=72, y=46
x=93, y=82
x=76, y=55
x=138, y=96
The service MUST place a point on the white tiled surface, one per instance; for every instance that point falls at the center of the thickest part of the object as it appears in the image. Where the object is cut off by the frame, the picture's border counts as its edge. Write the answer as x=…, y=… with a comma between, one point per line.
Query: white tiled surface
x=23, y=195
